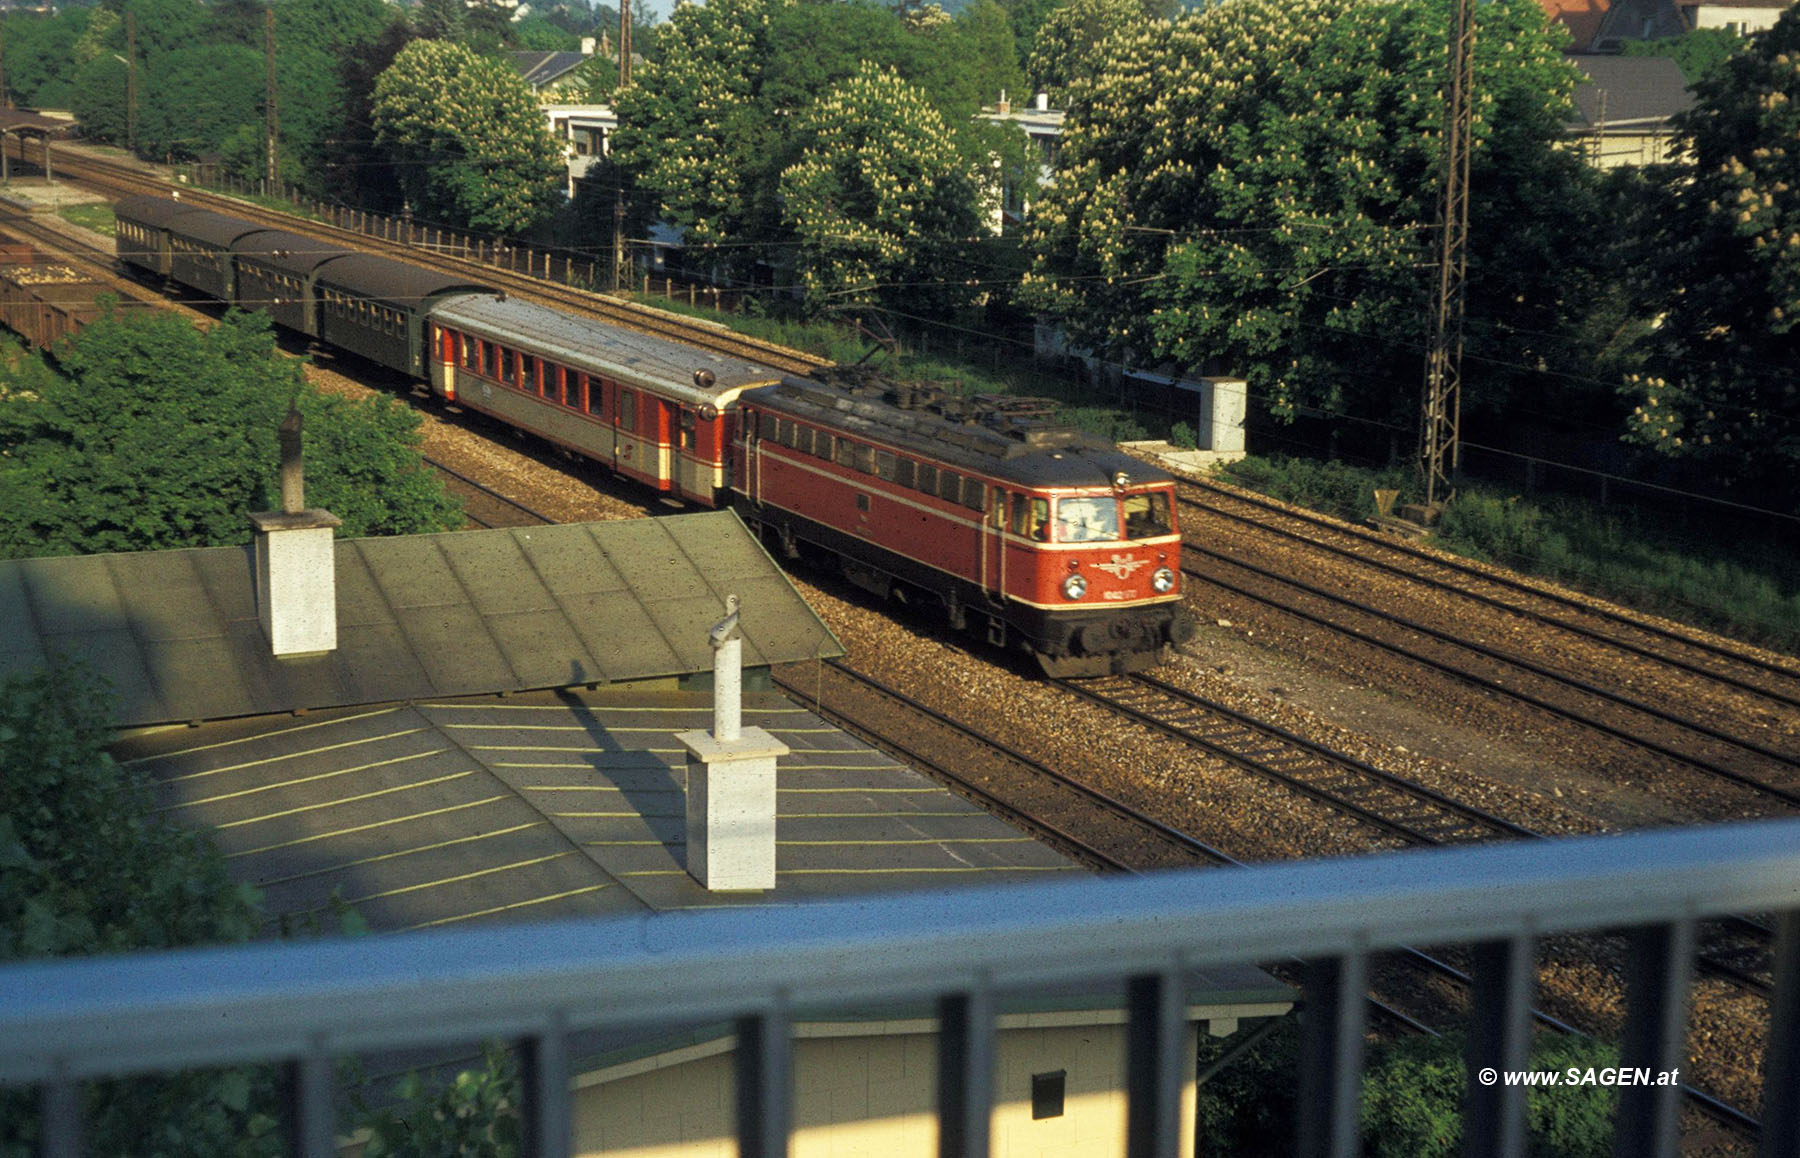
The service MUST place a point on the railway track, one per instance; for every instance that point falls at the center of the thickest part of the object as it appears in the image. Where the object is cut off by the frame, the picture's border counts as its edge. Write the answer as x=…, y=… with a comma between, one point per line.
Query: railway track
x=1748, y=763
x=1393, y=804
x=118, y=179
x=1774, y=680
x=485, y=507
x=1031, y=795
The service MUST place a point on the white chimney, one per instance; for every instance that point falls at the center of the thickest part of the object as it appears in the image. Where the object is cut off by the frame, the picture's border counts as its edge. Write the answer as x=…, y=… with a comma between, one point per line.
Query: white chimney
x=731, y=780
x=1041, y=102
x=296, y=562
x=588, y=44
x=1005, y=106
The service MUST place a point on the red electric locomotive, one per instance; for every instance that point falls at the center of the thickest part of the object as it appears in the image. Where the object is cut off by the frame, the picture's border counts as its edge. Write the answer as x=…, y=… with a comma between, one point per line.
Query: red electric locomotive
x=1035, y=533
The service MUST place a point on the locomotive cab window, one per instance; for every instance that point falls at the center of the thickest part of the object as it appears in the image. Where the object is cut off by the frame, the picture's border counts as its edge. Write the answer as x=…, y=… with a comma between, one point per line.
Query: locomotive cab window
x=1092, y=519
x=689, y=422
x=627, y=410
x=1031, y=517
x=768, y=427
x=1147, y=515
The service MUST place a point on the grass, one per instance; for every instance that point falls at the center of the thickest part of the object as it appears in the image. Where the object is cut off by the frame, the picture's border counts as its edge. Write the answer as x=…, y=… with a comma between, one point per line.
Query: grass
x=1744, y=586
x=97, y=217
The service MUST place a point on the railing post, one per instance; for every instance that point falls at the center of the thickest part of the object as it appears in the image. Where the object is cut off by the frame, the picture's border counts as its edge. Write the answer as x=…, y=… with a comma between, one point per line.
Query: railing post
x=765, y=1084
x=965, y=1074
x=1659, y=964
x=59, y=1110
x=1155, y=1047
x=1781, y=1065
x=308, y=1118
x=545, y=1117
x=1499, y=1041
x=1331, y=1056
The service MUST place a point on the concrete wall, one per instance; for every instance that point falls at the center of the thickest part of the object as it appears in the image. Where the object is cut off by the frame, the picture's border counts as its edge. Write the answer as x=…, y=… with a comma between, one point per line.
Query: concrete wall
x=866, y=1090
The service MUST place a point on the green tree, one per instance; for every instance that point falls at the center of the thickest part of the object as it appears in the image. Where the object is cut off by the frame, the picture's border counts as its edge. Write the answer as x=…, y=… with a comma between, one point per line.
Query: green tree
x=538, y=34
x=164, y=26
x=695, y=133
x=1253, y=187
x=470, y=141
x=98, y=101
x=40, y=56
x=155, y=435
x=880, y=199
x=472, y=1115
x=86, y=866
x=192, y=98
x=440, y=20
x=1068, y=43
x=1723, y=275
x=1698, y=53
x=709, y=127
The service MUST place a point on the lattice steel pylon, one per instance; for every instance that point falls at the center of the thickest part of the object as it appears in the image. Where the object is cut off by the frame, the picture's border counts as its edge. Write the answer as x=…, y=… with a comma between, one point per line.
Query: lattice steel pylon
x=1440, y=450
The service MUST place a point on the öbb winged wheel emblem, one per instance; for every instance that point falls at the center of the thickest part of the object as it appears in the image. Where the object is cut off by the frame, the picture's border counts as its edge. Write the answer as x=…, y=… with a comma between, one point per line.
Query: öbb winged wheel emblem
x=1122, y=566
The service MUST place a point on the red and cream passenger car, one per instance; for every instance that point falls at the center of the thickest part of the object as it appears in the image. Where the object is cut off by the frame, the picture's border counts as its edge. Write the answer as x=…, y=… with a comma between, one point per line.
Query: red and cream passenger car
x=1037, y=534
x=647, y=408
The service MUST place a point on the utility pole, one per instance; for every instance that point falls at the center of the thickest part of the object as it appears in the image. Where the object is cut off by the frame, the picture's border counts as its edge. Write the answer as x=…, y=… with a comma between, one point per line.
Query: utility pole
x=619, y=264
x=274, y=127
x=1440, y=449
x=131, y=81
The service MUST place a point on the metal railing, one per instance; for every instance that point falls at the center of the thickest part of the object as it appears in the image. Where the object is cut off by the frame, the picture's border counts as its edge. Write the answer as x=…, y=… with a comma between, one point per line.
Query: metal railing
x=302, y=1004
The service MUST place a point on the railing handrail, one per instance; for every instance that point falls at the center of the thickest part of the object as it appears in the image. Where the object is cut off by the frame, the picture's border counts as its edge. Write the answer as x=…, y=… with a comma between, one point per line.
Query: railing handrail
x=68, y=1019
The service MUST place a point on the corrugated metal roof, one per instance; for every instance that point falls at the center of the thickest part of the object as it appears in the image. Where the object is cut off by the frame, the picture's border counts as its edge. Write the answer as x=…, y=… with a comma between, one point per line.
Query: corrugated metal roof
x=176, y=632
x=397, y=283
x=598, y=348
x=549, y=804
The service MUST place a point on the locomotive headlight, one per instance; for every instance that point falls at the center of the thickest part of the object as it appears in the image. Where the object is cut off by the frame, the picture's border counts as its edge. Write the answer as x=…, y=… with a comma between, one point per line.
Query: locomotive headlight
x=1075, y=586
x=708, y=412
x=1162, y=580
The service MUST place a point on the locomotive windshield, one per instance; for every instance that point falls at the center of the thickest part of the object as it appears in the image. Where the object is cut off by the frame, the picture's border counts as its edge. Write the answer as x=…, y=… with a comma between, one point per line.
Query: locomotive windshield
x=1087, y=520
x=1095, y=518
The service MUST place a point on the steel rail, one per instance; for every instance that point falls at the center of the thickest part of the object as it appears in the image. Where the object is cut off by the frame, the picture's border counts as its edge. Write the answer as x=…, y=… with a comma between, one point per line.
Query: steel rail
x=1489, y=684
x=1531, y=590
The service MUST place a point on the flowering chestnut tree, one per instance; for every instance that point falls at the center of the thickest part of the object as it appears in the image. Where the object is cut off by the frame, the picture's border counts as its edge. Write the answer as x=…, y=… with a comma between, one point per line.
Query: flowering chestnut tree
x=468, y=139
x=1254, y=187
x=881, y=199
x=1718, y=384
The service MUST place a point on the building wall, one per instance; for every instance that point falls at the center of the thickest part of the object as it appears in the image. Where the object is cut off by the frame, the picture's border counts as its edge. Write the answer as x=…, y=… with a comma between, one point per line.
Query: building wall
x=1742, y=21
x=868, y=1091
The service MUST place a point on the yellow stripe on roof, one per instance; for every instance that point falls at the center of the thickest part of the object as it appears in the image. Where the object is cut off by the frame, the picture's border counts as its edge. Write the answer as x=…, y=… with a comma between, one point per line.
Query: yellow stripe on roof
x=323, y=804
x=458, y=879
x=379, y=857
x=181, y=752
x=295, y=755
x=315, y=777
x=356, y=828
x=507, y=908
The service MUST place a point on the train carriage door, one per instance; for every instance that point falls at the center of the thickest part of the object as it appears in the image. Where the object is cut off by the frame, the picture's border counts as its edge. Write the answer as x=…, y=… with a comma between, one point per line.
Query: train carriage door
x=993, y=545
x=668, y=421
x=625, y=436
